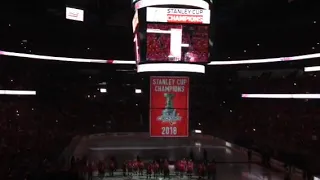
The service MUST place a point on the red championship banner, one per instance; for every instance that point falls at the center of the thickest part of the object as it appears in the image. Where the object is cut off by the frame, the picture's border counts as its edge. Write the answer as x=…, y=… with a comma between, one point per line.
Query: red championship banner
x=169, y=106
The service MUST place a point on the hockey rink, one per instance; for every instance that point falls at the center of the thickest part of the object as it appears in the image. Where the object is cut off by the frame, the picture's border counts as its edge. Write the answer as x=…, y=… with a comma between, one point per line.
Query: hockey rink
x=231, y=165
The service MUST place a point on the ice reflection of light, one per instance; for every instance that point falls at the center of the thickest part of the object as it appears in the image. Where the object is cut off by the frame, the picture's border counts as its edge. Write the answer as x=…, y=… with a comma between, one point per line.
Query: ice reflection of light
x=254, y=176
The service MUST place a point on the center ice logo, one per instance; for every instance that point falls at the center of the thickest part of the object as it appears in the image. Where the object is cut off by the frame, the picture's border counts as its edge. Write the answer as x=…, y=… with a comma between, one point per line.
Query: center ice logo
x=169, y=114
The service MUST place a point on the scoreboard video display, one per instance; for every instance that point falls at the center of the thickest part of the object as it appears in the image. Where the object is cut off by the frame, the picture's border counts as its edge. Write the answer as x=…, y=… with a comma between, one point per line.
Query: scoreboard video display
x=177, y=35
x=171, y=36
x=177, y=43
x=172, y=39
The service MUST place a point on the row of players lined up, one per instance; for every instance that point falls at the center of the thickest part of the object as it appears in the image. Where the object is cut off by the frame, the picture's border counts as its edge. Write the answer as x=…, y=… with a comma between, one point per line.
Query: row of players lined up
x=156, y=168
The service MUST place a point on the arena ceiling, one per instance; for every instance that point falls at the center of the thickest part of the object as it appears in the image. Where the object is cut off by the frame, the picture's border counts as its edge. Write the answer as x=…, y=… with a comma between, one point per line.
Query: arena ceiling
x=119, y=12
x=39, y=27
x=278, y=27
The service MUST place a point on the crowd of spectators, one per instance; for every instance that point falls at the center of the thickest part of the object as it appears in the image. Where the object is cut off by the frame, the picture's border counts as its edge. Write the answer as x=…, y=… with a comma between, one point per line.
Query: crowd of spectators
x=281, y=82
x=31, y=138
x=35, y=129
x=287, y=129
x=33, y=134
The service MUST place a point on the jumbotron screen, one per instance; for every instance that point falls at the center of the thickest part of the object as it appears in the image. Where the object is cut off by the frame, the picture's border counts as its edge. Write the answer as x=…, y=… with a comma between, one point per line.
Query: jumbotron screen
x=177, y=43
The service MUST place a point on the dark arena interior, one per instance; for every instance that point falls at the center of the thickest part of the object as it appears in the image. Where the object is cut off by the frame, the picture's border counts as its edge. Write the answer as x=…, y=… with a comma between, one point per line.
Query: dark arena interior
x=160, y=89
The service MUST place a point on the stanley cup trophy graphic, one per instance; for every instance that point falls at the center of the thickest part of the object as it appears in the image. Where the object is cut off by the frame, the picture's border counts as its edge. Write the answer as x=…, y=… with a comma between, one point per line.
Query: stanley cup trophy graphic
x=169, y=114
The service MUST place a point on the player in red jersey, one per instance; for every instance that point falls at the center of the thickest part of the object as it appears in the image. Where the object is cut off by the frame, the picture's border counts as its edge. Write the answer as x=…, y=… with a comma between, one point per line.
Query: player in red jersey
x=141, y=167
x=160, y=166
x=201, y=170
x=190, y=168
x=130, y=167
x=212, y=170
x=183, y=165
x=177, y=167
x=155, y=169
x=166, y=170
x=112, y=167
x=149, y=170
x=135, y=167
x=101, y=169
